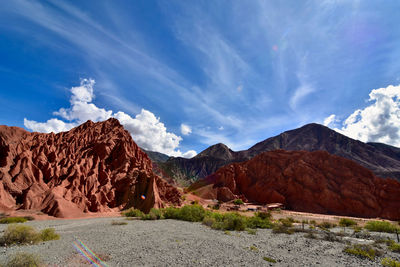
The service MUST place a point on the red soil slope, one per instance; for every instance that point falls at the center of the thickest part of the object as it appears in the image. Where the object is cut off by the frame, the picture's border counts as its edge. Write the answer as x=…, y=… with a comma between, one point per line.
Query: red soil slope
x=309, y=181
x=94, y=167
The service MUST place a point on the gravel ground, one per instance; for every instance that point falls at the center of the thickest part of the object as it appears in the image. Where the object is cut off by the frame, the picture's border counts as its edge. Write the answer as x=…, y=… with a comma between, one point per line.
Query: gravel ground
x=178, y=243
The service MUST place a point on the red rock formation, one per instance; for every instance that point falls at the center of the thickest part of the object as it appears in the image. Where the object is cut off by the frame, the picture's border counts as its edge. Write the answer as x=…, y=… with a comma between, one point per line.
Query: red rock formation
x=94, y=167
x=311, y=182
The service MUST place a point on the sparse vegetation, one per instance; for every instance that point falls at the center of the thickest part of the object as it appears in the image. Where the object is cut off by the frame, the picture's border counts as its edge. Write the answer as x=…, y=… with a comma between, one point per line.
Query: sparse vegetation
x=238, y=201
x=154, y=214
x=23, y=234
x=132, y=213
x=118, y=223
x=287, y=222
x=393, y=246
x=363, y=251
x=380, y=226
x=389, y=262
x=326, y=225
x=282, y=229
x=49, y=234
x=253, y=248
x=8, y=220
x=23, y=259
x=251, y=231
x=269, y=259
x=345, y=222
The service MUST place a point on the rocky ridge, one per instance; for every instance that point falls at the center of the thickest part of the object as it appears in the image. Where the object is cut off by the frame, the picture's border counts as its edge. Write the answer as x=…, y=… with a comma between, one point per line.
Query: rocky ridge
x=316, y=182
x=95, y=167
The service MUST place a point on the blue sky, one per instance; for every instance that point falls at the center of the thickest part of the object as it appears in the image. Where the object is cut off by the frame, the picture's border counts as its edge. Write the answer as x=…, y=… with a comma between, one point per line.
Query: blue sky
x=183, y=75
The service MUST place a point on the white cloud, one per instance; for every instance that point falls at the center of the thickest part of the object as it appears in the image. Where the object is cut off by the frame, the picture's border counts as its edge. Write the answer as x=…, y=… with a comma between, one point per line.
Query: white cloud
x=186, y=129
x=52, y=125
x=299, y=94
x=378, y=122
x=329, y=120
x=146, y=129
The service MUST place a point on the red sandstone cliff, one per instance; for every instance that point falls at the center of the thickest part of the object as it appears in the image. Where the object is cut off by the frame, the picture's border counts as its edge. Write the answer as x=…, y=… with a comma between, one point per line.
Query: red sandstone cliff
x=94, y=167
x=309, y=181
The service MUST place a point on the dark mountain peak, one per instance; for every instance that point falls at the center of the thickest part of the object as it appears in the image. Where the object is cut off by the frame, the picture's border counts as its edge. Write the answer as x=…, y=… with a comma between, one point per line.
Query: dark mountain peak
x=220, y=151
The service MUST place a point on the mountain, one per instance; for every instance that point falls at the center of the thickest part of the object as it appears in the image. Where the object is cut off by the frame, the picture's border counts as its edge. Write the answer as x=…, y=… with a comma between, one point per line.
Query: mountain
x=316, y=182
x=95, y=167
x=156, y=156
x=186, y=171
x=383, y=160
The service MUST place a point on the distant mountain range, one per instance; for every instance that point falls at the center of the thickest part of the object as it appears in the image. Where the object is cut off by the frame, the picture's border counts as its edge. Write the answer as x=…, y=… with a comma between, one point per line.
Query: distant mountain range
x=382, y=159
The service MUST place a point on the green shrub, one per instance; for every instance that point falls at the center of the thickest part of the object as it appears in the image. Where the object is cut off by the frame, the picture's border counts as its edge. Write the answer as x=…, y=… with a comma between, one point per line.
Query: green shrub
x=23, y=259
x=20, y=234
x=288, y=222
x=154, y=214
x=216, y=207
x=258, y=222
x=251, y=231
x=23, y=234
x=269, y=259
x=49, y=234
x=238, y=201
x=327, y=225
x=363, y=251
x=233, y=221
x=380, y=226
x=171, y=213
x=389, y=262
x=29, y=218
x=132, y=213
x=13, y=220
x=282, y=229
x=393, y=246
x=192, y=213
x=345, y=222
x=263, y=215
x=118, y=223
x=209, y=221
x=254, y=248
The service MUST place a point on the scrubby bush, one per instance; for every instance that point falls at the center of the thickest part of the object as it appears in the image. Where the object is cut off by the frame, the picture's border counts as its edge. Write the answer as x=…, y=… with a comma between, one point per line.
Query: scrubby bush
x=263, y=215
x=234, y=221
x=282, y=229
x=216, y=207
x=118, y=223
x=23, y=234
x=345, y=222
x=258, y=222
x=251, y=231
x=20, y=234
x=209, y=221
x=326, y=225
x=389, y=262
x=269, y=259
x=132, y=213
x=380, y=226
x=192, y=213
x=154, y=214
x=23, y=259
x=363, y=251
x=49, y=234
x=171, y=213
x=393, y=246
x=238, y=202
x=8, y=220
x=287, y=222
